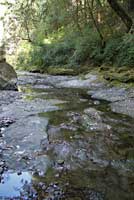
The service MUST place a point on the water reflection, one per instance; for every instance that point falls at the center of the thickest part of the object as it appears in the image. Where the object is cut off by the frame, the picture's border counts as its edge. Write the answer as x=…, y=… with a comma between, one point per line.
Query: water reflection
x=13, y=184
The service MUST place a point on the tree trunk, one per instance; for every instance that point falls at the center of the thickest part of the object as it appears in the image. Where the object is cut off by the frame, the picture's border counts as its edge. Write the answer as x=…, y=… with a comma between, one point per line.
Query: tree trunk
x=95, y=23
x=121, y=13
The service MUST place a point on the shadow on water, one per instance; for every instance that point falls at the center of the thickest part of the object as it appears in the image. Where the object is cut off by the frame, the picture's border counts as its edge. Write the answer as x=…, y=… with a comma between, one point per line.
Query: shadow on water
x=99, y=164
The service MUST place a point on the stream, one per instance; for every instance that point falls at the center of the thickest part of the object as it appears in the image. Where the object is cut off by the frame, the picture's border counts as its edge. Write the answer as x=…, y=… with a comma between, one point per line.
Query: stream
x=58, y=143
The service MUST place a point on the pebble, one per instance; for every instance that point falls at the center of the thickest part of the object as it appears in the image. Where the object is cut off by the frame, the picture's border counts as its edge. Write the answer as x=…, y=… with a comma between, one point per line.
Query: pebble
x=1, y=152
x=1, y=170
x=57, y=175
x=60, y=162
x=19, y=173
x=44, y=187
x=96, y=102
x=2, y=163
x=25, y=157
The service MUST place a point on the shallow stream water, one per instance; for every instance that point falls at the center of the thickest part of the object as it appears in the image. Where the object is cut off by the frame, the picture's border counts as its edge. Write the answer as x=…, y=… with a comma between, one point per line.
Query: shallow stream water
x=59, y=143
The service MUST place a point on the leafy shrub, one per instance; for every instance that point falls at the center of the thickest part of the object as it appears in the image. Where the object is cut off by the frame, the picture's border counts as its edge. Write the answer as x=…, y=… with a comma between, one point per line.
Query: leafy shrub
x=57, y=54
x=86, y=47
x=74, y=49
x=111, y=50
x=22, y=55
x=126, y=51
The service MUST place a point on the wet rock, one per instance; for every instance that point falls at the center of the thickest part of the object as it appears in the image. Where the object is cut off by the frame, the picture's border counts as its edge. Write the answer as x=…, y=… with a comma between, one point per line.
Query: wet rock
x=2, y=163
x=53, y=133
x=92, y=120
x=96, y=102
x=44, y=144
x=1, y=152
x=19, y=173
x=8, y=77
x=27, y=129
x=5, y=122
x=89, y=81
x=74, y=116
x=1, y=170
x=94, y=114
x=22, y=108
x=25, y=157
x=7, y=97
x=109, y=94
x=40, y=79
x=57, y=175
x=94, y=195
x=68, y=127
x=40, y=164
x=62, y=150
x=125, y=107
x=54, y=192
x=60, y=162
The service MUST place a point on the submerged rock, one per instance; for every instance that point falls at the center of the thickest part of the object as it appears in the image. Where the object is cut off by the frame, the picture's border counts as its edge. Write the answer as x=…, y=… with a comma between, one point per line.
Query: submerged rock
x=92, y=120
x=8, y=77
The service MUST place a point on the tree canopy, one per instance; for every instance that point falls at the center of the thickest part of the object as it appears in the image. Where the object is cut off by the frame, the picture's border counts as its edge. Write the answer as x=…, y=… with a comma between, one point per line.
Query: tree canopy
x=68, y=32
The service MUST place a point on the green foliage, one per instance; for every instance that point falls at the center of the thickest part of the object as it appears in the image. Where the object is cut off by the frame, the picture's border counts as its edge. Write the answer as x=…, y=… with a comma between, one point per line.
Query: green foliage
x=73, y=51
x=57, y=53
x=68, y=33
x=22, y=55
x=111, y=50
x=86, y=47
x=126, y=51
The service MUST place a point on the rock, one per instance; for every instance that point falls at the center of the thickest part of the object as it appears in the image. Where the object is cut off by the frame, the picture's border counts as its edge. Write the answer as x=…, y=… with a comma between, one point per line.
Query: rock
x=19, y=173
x=2, y=163
x=27, y=137
x=110, y=94
x=60, y=162
x=89, y=81
x=1, y=170
x=8, y=77
x=1, y=152
x=53, y=133
x=125, y=107
x=92, y=120
x=96, y=102
x=93, y=114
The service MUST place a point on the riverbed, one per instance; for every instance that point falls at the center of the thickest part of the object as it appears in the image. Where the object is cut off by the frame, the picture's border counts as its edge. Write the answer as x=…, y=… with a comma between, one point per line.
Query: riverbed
x=60, y=140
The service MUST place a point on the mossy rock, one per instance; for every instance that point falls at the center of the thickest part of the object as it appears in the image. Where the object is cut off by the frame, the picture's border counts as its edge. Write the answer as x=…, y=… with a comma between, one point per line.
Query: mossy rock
x=119, y=74
x=60, y=71
x=104, y=68
x=8, y=77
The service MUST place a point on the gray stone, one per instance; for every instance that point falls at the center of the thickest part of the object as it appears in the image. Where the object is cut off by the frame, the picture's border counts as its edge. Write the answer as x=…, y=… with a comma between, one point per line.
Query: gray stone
x=125, y=107
x=60, y=162
x=30, y=131
x=1, y=170
x=109, y=94
x=88, y=81
x=8, y=77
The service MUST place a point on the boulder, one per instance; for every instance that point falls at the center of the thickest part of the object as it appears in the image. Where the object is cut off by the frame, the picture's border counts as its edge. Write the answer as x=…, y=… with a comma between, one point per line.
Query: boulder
x=8, y=76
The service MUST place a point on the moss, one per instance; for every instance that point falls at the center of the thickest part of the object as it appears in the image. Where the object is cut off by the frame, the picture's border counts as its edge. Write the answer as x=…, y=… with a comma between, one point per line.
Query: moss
x=61, y=71
x=115, y=74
